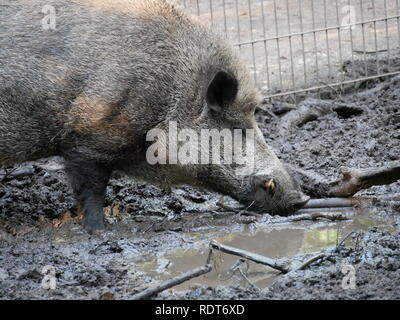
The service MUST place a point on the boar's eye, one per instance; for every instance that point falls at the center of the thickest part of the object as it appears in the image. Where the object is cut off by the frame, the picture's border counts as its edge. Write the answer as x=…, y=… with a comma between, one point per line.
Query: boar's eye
x=270, y=186
x=222, y=90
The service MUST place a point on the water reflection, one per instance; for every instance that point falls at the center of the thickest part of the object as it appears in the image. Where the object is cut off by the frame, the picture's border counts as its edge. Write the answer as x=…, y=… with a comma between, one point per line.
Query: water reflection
x=274, y=241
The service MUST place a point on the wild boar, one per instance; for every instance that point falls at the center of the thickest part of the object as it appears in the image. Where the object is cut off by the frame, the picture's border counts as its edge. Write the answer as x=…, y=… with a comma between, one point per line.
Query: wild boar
x=88, y=79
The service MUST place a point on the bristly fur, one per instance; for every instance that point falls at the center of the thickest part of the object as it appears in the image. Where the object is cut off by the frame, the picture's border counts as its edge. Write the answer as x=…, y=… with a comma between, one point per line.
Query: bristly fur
x=92, y=88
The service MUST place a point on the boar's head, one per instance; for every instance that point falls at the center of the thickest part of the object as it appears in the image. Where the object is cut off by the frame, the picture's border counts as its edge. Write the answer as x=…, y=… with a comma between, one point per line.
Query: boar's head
x=226, y=105
x=263, y=183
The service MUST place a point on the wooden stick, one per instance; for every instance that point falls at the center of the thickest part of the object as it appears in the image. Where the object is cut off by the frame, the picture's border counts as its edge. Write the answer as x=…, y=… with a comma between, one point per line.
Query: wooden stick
x=329, y=203
x=354, y=180
x=273, y=263
x=325, y=210
x=151, y=291
x=316, y=215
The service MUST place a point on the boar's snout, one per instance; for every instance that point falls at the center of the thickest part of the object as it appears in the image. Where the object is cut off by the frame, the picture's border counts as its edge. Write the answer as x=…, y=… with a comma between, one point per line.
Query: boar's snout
x=299, y=200
x=270, y=195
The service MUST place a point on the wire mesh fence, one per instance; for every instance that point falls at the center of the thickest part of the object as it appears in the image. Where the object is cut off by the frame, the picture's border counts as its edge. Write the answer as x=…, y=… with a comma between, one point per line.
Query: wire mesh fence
x=295, y=46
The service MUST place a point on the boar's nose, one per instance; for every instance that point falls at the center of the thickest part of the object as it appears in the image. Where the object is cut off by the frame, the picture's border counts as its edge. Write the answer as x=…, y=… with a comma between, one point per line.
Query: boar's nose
x=301, y=201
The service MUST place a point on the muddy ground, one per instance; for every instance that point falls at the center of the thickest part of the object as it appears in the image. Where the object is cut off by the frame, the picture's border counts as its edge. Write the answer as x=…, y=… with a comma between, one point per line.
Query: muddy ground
x=154, y=234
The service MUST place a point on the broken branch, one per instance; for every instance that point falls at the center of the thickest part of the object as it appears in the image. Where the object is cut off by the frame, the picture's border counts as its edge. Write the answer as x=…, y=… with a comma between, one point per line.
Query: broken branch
x=273, y=263
x=329, y=203
x=351, y=182
x=151, y=291
x=354, y=180
x=317, y=215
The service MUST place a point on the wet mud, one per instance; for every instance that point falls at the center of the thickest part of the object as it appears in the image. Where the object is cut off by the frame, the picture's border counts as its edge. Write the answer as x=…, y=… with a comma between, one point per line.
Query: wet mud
x=153, y=234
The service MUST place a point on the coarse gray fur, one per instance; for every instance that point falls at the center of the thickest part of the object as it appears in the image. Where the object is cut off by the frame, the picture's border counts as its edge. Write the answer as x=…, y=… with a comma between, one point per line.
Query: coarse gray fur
x=109, y=72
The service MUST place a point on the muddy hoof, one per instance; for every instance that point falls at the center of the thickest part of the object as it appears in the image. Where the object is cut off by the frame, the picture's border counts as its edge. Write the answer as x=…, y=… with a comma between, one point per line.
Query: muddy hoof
x=93, y=226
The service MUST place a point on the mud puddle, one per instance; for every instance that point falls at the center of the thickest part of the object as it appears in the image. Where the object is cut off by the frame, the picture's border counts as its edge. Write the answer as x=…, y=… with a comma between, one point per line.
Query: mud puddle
x=276, y=240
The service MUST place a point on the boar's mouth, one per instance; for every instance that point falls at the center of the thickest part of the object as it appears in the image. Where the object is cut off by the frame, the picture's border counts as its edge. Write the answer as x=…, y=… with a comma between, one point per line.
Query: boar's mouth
x=276, y=194
x=262, y=195
x=274, y=207
x=271, y=198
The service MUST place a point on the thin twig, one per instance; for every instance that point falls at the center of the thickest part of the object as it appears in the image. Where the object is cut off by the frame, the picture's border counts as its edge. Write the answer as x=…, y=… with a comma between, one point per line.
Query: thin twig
x=239, y=211
x=233, y=268
x=7, y=173
x=247, y=279
x=344, y=239
x=369, y=51
x=309, y=261
x=322, y=254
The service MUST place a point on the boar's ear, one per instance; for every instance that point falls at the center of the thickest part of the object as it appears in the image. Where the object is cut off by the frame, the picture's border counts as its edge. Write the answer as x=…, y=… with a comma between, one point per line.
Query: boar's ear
x=222, y=90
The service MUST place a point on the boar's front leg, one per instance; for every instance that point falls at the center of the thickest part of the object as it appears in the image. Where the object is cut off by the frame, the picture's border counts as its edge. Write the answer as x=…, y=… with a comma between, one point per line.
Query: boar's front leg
x=89, y=182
